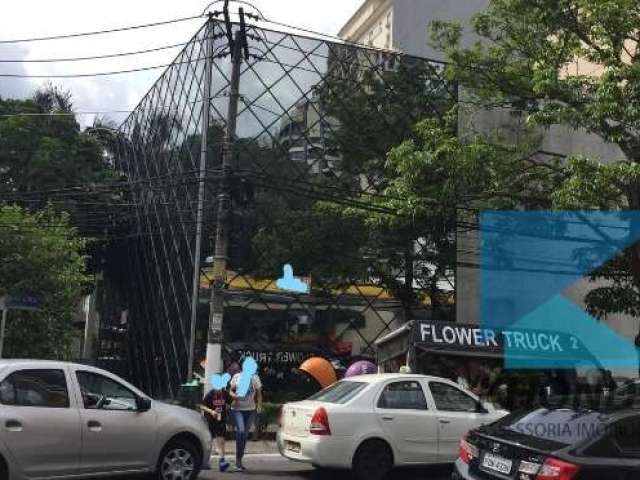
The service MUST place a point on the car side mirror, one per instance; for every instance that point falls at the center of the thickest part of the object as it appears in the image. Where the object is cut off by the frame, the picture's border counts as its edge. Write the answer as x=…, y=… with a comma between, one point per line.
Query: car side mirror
x=143, y=404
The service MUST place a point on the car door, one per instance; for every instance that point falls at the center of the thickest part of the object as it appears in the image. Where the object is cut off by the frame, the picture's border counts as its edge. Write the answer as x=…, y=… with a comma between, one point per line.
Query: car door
x=39, y=422
x=457, y=413
x=115, y=435
x=403, y=414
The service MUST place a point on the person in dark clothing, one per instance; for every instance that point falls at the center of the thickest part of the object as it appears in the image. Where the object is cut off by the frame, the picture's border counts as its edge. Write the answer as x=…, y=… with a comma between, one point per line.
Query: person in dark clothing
x=214, y=407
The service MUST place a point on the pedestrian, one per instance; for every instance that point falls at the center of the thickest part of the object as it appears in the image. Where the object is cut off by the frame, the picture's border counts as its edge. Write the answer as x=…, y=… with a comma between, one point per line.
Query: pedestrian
x=245, y=408
x=214, y=407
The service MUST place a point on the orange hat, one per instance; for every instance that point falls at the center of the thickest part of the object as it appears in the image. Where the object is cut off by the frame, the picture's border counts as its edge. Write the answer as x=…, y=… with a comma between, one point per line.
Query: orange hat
x=321, y=370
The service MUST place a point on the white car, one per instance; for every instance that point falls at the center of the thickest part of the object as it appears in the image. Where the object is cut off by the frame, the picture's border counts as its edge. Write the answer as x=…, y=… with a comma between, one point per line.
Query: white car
x=62, y=420
x=373, y=423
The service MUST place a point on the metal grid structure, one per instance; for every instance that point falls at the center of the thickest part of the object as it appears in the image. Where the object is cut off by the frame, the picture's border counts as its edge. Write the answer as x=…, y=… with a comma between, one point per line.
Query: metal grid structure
x=315, y=121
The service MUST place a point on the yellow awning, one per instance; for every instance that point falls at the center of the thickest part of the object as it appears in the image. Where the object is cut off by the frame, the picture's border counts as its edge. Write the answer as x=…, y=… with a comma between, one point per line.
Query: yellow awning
x=268, y=285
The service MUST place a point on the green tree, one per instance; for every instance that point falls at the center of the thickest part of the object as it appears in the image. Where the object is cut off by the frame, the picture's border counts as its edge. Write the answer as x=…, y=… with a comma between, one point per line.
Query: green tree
x=42, y=147
x=326, y=224
x=574, y=63
x=42, y=255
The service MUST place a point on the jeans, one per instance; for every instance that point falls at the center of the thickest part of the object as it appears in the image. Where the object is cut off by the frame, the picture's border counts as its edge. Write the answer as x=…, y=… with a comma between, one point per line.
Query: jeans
x=244, y=420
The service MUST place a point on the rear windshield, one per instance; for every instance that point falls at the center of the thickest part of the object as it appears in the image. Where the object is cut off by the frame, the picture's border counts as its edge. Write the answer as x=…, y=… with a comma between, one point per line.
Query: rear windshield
x=340, y=392
x=564, y=426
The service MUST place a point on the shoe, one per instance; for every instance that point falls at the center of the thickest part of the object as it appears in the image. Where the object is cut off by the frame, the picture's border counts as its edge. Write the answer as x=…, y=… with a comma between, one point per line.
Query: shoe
x=238, y=468
x=223, y=465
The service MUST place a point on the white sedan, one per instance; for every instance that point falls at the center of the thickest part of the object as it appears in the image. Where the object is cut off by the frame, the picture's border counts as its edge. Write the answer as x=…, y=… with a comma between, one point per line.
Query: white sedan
x=66, y=421
x=373, y=423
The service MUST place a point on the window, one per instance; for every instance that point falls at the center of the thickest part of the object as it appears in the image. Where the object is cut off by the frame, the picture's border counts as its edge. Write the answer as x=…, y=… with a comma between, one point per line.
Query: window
x=35, y=388
x=627, y=435
x=451, y=399
x=403, y=396
x=622, y=440
x=340, y=392
x=101, y=392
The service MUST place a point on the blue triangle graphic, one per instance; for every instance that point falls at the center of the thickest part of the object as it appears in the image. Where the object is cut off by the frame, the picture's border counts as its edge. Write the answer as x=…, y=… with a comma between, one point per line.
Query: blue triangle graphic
x=585, y=342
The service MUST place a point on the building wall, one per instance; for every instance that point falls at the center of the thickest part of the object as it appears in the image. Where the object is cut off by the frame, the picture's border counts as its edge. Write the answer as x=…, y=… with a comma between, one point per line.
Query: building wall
x=413, y=17
x=403, y=24
x=371, y=24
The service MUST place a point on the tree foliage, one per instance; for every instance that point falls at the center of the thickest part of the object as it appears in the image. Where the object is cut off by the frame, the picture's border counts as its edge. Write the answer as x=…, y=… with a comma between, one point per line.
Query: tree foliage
x=42, y=147
x=42, y=255
x=573, y=63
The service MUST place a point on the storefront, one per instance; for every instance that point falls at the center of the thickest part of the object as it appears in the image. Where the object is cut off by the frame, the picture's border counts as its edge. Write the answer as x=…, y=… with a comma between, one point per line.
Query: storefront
x=277, y=364
x=501, y=365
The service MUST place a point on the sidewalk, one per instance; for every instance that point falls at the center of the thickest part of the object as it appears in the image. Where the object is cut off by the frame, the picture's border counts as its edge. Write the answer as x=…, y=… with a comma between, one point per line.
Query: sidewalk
x=253, y=448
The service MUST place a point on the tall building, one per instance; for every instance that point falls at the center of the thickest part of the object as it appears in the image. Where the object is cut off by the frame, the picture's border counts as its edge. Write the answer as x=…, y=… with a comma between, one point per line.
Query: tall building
x=402, y=25
x=305, y=134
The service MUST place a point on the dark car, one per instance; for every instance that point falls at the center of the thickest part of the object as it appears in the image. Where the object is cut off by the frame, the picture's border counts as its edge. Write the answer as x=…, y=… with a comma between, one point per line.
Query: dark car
x=554, y=444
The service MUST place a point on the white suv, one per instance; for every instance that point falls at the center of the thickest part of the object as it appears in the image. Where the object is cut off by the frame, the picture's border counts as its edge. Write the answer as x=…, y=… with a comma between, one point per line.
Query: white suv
x=62, y=420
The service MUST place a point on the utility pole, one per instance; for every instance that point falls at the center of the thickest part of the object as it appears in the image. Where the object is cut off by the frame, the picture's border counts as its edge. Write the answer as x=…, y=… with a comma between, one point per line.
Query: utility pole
x=5, y=310
x=204, y=147
x=238, y=46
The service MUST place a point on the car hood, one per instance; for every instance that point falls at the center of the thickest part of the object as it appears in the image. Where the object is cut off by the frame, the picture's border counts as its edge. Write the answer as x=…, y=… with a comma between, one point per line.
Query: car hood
x=164, y=408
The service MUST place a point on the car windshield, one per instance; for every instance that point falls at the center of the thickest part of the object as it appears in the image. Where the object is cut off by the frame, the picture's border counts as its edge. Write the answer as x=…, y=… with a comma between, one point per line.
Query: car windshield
x=564, y=426
x=340, y=392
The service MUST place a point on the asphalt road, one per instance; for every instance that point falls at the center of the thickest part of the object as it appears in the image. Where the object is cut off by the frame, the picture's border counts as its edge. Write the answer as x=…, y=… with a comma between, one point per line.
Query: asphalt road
x=274, y=467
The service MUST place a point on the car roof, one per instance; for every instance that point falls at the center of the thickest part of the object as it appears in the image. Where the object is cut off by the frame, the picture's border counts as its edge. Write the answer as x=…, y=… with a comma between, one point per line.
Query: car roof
x=40, y=364
x=37, y=363
x=379, y=377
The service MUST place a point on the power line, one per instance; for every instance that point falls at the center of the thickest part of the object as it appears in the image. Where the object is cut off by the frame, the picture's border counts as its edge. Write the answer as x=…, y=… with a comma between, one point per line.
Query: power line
x=99, y=32
x=95, y=57
x=99, y=74
x=63, y=114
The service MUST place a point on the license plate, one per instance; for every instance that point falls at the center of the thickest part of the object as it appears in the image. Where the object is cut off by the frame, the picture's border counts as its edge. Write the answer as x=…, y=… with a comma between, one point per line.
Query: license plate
x=293, y=447
x=497, y=464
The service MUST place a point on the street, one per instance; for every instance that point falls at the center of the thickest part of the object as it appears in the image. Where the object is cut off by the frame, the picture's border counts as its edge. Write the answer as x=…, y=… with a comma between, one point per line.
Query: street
x=273, y=466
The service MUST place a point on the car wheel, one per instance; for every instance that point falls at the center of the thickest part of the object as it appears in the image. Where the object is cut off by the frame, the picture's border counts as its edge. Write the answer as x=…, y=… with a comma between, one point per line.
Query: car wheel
x=373, y=460
x=179, y=460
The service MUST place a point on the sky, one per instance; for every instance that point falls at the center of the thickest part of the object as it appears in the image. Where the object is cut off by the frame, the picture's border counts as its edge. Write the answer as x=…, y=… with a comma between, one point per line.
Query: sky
x=36, y=18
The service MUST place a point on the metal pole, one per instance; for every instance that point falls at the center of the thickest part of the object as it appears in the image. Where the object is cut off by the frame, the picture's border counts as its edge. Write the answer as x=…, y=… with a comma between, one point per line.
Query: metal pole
x=204, y=147
x=2, y=327
x=216, y=312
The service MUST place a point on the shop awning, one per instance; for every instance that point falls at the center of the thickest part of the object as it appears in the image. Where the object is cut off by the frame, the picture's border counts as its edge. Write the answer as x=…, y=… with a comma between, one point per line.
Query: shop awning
x=255, y=285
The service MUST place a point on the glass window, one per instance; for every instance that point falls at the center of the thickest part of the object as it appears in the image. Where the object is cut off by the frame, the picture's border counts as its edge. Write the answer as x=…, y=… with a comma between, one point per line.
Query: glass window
x=340, y=392
x=101, y=392
x=627, y=434
x=403, y=396
x=451, y=399
x=35, y=388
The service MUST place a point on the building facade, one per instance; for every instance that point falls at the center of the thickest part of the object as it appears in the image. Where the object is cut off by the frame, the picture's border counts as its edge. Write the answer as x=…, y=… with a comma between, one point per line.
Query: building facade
x=403, y=26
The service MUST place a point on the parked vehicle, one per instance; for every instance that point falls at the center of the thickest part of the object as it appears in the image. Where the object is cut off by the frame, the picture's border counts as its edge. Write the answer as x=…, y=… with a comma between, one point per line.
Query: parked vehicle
x=554, y=444
x=372, y=423
x=62, y=420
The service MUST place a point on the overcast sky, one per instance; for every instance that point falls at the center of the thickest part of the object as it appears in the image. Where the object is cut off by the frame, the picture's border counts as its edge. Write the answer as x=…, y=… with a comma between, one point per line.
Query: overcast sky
x=36, y=18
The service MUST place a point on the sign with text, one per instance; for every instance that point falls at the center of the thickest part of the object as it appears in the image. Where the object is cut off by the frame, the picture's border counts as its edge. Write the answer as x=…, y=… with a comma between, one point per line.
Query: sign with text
x=482, y=339
x=20, y=302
